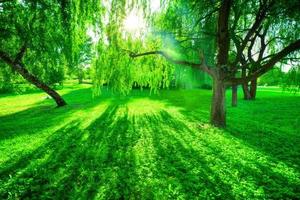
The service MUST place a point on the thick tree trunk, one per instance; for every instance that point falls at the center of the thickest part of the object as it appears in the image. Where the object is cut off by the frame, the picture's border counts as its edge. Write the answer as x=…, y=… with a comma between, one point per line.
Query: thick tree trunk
x=253, y=88
x=218, y=109
x=234, y=96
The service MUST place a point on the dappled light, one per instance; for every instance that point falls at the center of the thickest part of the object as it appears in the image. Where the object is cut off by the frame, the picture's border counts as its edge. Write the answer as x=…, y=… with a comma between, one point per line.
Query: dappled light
x=144, y=106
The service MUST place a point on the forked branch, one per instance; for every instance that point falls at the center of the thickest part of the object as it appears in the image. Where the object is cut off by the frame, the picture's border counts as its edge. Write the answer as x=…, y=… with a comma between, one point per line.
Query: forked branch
x=269, y=64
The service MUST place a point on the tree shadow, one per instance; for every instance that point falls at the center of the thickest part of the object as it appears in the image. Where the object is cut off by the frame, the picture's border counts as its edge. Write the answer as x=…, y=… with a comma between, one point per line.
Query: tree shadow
x=121, y=155
x=73, y=161
x=270, y=125
x=43, y=115
x=124, y=156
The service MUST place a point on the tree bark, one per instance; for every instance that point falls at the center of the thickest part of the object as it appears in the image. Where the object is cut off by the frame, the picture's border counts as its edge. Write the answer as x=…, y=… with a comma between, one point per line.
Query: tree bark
x=250, y=94
x=246, y=91
x=80, y=79
x=20, y=68
x=253, y=88
x=234, y=95
x=218, y=109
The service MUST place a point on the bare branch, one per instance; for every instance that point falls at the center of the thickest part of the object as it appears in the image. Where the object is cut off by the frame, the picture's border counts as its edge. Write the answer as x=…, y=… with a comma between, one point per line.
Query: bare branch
x=260, y=16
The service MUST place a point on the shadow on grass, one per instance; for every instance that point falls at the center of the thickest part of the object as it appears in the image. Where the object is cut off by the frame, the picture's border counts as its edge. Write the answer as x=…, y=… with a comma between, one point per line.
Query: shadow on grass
x=43, y=115
x=270, y=124
x=124, y=156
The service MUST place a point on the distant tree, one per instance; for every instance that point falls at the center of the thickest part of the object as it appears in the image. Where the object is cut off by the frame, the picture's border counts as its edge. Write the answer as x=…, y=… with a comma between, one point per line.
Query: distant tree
x=274, y=77
x=291, y=81
x=82, y=58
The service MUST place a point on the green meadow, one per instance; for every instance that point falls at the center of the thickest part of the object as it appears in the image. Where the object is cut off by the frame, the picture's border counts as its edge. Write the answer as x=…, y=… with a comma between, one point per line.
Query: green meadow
x=148, y=146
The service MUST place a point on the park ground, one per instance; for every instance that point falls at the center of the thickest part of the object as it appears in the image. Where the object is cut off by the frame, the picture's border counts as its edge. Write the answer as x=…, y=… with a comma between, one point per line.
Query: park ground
x=142, y=146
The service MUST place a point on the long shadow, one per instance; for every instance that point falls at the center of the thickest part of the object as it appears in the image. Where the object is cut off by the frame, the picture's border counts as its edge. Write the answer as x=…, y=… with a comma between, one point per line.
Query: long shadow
x=180, y=163
x=74, y=162
x=273, y=130
x=270, y=124
x=25, y=173
x=102, y=161
x=43, y=115
x=196, y=175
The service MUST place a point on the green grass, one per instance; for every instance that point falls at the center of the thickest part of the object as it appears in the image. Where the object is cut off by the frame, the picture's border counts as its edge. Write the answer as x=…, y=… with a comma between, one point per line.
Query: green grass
x=148, y=147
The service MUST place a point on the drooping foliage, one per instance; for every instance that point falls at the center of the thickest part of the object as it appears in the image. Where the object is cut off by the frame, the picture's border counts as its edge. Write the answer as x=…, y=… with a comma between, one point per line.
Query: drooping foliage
x=53, y=32
x=170, y=29
x=232, y=42
x=291, y=81
x=112, y=66
x=31, y=23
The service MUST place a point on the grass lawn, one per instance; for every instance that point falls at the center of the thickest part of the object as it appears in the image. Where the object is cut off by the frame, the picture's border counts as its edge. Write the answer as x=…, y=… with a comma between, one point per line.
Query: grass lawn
x=148, y=147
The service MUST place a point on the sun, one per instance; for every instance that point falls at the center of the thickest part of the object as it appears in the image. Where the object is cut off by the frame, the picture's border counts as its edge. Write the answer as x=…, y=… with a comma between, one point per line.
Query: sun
x=131, y=22
x=134, y=23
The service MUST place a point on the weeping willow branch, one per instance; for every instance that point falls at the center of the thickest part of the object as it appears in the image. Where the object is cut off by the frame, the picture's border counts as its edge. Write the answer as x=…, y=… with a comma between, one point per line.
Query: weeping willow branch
x=202, y=65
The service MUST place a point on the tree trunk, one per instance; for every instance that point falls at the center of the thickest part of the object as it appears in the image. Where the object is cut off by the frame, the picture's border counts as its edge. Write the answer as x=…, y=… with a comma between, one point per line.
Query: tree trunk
x=253, y=88
x=80, y=76
x=246, y=91
x=20, y=68
x=234, y=96
x=218, y=109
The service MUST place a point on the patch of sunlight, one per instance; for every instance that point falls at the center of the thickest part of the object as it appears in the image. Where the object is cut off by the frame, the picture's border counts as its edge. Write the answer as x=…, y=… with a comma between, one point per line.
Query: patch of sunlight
x=36, y=137
x=155, y=5
x=17, y=103
x=18, y=147
x=87, y=116
x=144, y=106
x=135, y=24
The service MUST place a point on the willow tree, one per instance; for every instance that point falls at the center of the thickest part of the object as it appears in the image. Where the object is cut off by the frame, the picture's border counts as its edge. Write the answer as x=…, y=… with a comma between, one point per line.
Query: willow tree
x=39, y=36
x=225, y=70
x=112, y=66
x=28, y=29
